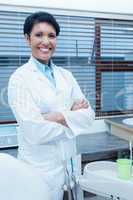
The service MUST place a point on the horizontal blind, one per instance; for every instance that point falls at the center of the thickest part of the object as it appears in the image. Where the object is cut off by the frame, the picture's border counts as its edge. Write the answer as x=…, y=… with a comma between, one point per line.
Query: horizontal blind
x=11, y=56
x=114, y=66
x=74, y=49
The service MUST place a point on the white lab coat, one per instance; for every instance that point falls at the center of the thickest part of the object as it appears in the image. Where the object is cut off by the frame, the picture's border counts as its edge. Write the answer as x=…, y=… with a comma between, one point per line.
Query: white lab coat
x=42, y=143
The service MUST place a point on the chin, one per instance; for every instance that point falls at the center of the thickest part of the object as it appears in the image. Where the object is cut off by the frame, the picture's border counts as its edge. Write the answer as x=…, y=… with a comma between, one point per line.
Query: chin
x=42, y=60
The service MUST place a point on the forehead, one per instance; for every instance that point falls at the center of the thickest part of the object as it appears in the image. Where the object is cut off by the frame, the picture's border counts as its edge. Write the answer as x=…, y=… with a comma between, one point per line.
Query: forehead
x=43, y=27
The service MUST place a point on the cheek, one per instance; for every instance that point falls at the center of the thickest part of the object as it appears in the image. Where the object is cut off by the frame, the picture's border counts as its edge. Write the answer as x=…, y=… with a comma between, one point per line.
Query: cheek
x=34, y=47
x=33, y=42
x=54, y=44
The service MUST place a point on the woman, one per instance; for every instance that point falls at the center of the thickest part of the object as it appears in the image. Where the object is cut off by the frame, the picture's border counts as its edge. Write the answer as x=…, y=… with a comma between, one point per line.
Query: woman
x=48, y=105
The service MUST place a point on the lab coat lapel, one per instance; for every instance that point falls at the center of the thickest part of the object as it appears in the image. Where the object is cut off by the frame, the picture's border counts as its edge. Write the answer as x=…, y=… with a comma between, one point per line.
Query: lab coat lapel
x=59, y=79
x=42, y=89
x=61, y=84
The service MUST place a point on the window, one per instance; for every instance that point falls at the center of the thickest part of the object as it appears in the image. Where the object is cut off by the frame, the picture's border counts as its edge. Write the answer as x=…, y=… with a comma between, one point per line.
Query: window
x=99, y=53
x=114, y=66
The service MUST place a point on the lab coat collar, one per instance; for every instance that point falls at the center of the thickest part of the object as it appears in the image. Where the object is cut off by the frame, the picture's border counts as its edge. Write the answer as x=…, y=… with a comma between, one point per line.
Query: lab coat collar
x=42, y=67
x=34, y=62
x=40, y=76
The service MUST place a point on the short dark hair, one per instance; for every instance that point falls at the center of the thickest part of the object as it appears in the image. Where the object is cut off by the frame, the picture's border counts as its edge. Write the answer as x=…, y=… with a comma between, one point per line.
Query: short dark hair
x=38, y=17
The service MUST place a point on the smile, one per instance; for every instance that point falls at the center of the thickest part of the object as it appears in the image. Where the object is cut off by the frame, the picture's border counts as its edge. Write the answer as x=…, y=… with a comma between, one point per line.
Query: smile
x=45, y=50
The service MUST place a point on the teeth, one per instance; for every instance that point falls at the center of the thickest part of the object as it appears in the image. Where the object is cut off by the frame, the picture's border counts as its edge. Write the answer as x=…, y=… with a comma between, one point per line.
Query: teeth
x=44, y=49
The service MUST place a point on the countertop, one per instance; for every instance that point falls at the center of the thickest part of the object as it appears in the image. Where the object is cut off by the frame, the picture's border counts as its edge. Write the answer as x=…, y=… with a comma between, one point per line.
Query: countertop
x=99, y=146
x=118, y=121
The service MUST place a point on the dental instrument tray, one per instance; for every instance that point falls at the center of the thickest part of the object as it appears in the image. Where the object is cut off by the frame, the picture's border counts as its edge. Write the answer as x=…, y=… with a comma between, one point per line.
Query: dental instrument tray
x=100, y=178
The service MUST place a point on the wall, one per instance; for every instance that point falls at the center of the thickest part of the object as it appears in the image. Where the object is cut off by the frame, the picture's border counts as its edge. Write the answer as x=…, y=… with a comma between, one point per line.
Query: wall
x=117, y=6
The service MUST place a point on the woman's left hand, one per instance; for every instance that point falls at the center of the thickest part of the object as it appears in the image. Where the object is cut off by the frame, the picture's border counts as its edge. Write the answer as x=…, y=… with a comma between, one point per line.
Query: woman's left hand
x=80, y=105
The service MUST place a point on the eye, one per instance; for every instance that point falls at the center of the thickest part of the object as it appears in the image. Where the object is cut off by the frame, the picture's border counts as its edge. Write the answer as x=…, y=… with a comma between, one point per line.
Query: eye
x=39, y=34
x=52, y=35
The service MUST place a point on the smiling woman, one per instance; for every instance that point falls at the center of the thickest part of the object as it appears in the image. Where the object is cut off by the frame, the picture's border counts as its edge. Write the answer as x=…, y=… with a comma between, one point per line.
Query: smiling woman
x=48, y=105
x=42, y=41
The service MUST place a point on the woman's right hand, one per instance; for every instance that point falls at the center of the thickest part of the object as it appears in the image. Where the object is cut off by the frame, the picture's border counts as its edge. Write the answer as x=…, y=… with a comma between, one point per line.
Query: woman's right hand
x=55, y=117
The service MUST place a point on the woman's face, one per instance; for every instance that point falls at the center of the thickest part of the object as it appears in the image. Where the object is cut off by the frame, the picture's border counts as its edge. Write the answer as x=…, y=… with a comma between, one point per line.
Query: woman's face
x=42, y=41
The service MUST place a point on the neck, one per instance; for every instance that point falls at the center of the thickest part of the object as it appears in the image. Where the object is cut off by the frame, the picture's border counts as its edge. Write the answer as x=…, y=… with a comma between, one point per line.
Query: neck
x=43, y=62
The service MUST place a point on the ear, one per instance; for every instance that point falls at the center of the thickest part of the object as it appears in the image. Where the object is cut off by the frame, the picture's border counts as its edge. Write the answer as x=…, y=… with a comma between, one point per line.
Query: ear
x=27, y=37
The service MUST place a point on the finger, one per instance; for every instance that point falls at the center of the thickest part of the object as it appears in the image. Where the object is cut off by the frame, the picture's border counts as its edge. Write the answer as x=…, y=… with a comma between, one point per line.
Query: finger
x=85, y=104
x=82, y=101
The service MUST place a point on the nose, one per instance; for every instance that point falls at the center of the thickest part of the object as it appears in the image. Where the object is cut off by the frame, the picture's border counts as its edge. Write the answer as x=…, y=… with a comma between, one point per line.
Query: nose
x=45, y=40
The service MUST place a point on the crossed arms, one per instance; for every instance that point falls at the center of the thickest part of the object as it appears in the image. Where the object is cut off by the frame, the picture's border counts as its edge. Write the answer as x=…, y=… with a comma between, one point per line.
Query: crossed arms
x=58, y=116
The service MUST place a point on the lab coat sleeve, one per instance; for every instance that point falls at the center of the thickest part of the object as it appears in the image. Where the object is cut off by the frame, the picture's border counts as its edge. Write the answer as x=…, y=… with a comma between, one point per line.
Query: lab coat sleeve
x=35, y=129
x=78, y=121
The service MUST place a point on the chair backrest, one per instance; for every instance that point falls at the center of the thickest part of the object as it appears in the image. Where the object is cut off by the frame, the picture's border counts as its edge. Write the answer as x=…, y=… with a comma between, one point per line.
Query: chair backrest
x=19, y=181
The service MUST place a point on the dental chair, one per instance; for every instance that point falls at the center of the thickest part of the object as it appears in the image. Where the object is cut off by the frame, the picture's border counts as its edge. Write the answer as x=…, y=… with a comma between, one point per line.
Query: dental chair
x=19, y=181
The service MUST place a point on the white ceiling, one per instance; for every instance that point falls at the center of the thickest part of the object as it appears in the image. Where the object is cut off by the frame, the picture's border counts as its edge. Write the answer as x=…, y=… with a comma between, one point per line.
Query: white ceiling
x=116, y=6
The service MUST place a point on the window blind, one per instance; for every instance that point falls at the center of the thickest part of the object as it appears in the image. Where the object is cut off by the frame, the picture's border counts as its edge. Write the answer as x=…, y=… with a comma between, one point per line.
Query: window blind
x=114, y=67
